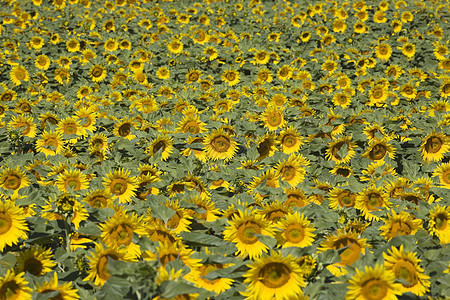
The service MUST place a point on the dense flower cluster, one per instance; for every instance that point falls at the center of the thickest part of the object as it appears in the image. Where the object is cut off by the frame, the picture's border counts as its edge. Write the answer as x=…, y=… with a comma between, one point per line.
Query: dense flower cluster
x=224, y=149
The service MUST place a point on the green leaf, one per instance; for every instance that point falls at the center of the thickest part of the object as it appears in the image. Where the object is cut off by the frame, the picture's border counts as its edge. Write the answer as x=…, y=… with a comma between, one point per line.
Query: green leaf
x=202, y=239
x=171, y=289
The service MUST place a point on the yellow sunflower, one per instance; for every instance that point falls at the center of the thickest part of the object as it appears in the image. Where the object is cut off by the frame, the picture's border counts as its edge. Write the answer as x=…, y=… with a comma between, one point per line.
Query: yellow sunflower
x=439, y=223
x=443, y=171
x=293, y=170
x=217, y=285
x=340, y=198
x=14, y=179
x=100, y=198
x=273, y=118
x=175, y=46
x=191, y=124
x=269, y=178
x=243, y=231
x=220, y=145
x=35, y=260
x=12, y=225
x=18, y=74
x=120, y=184
x=118, y=231
x=341, y=170
x=374, y=283
x=445, y=88
x=342, y=99
x=180, y=221
x=354, y=245
x=371, y=199
x=231, y=77
x=163, y=73
x=405, y=266
x=97, y=73
x=262, y=57
x=71, y=126
x=341, y=150
x=98, y=262
x=383, y=51
x=73, y=180
x=162, y=143
x=400, y=224
x=378, y=149
x=408, y=49
x=42, y=62
x=295, y=231
x=434, y=146
x=290, y=140
x=14, y=287
x=65, y=291
x=273, y=277
x=378, y=95
x=123, y=128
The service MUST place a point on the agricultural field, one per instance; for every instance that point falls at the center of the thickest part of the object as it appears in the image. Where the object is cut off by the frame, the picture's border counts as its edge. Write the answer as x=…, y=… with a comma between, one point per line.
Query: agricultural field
x=224, y=149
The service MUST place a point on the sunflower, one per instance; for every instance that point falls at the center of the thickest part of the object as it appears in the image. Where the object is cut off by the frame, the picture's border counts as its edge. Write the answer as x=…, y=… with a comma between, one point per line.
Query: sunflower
x=12, y=225
x=87, y=118
x=72, y=180
x=274, y=211
x=220, y=145
x=378, y=149
x=290, y=140
x=97, y=73
x=264, y=75
x=341, y=170
x=98, y=262
x=162, y=143
x=342, y=99
x=273, y=118
x=111, y=45
x=243, y=230
x=24, y=124
x=261, y=57
x=100, y=198
x=284, y=73
x=73, y=45
x=295, y=231
x=273, y=277
x=378, y=95
x=371, y=199
x=35, y=260
x=71, y=126
x=14, y=179
x=293, y=170
x=14, y=286
x=439, y=223
x=434, y=146
x=341, y=150
x=383, y=51
x=123, y=128
x=58, y=207
x=209, y=212
x=231, y=77
x=163, y=73
x=354, y=245
x=443, y=171
x=18, y=74
x=119, y=229
x=405, y=266
x=445, y=88
x=217, y=285
x=42, y=62
x=175, y=46
x=408, y=49
x=269, y=178
x=180, y=221
x=400, y=224
x=330, y=66
x=191, y=125
x=158, y=232
x=340, y=198
x=120, y=184
x=374, y=283
x=65, y=290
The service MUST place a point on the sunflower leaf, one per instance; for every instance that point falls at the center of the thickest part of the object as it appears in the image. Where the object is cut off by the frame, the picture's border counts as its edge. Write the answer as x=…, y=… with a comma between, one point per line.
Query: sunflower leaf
x=171, y=289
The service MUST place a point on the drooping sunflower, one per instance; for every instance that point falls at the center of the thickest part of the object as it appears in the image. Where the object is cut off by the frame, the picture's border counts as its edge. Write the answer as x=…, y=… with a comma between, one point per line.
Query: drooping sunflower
x=439, y=223
x=290, y=140
x=434, y=146
x=443, y=171
x=119, y=229
x=295, y=231
x=340, y=198
x=273, y=277
x=35, y=260
x=355, y=247
x=14, y=179
x=120, y=184
x=341, y=150
x=374, y=283
x=242, y=231
x=220, y=145
x=217, y=285
x=97, y=73
x=267, y=145
x=98, y=262
x=123, y=128
x=14, y=286
x=204, y=203
x=18, y=74
x=65, y=290
x=378, y=149
x=293, y=170
x=72, y=179
x=400, y=224
x=405, y=266
x=231, y=77
x=273, y=118
x=162, y=143
x=12, y=224
x=371, y=199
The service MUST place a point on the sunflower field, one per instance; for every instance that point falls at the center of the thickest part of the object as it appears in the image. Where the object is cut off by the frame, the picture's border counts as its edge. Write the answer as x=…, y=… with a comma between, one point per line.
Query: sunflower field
x=237, y=149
